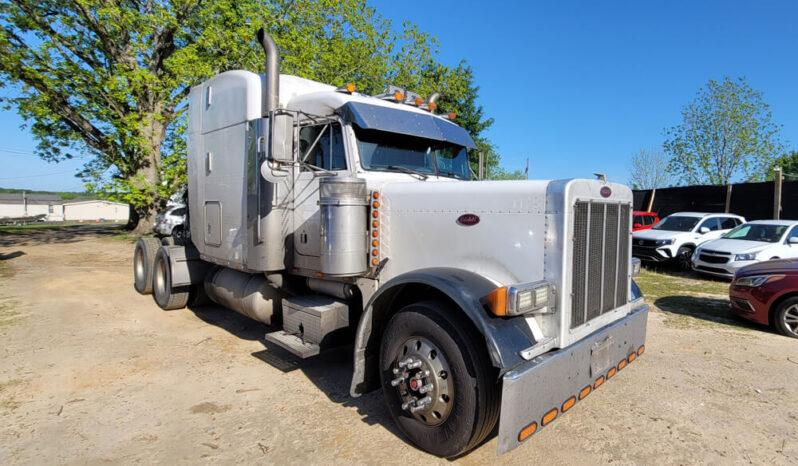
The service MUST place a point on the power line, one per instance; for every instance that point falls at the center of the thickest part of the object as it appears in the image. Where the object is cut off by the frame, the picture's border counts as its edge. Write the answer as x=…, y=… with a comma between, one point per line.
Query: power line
x=33, y=176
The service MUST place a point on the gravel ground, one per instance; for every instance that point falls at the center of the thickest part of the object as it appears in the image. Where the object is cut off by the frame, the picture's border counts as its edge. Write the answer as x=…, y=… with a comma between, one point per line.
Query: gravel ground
x=91, y=372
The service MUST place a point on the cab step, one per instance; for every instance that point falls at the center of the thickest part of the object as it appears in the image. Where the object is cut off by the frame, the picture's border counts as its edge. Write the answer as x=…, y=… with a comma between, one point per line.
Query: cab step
x=307, y=323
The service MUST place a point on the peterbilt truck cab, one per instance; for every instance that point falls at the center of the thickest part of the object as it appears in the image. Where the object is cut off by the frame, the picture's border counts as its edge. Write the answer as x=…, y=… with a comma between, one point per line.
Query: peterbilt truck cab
x=341, y=218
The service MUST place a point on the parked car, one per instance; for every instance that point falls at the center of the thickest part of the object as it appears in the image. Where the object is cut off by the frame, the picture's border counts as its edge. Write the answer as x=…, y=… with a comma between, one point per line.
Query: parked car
x=767, y=293
x=170, y=223
x=748, y=243
x=644, y=220
x=675, y=237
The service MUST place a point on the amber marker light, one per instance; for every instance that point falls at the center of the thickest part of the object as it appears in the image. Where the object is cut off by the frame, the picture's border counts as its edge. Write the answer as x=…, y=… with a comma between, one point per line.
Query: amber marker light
x=452, y=115
x=375, y=243
x=641, y=350
x=632, y=357
x=432, y=106
x=497, y=301
x=375, y=223
x=527, y=431
x=569, y=403
x=598, y=382
x=585, y=392
x=611, y=373
x=622, y=364
x=375, y=214
x=398, y=96
x=375, y=204
x=374, y=252
x=419, y=101
x=376, y=195
x=351, y=88
x=375, y=261
x=375, y=233
x=548, y=417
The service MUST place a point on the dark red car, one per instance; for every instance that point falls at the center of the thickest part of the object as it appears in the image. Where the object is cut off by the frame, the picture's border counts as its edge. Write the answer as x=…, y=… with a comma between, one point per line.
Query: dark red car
x=767, y=293
x=643, y=220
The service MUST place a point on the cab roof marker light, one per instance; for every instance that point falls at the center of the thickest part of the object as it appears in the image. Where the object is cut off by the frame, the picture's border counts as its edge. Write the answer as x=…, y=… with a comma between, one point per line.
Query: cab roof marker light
x=348, y=88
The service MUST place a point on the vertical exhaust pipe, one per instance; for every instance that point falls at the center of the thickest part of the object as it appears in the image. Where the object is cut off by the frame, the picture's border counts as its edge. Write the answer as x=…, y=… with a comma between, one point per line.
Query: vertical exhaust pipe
x=433, y=98
x=270, y=92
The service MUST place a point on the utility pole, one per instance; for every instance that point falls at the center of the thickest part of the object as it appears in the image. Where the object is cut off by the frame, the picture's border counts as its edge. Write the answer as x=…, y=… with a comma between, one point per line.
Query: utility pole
x=777, y=193
x=526, y=172
x=24, y=205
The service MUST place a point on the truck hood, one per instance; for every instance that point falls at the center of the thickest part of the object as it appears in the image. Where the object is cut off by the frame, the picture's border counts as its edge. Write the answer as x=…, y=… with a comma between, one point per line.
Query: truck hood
x=735, y=246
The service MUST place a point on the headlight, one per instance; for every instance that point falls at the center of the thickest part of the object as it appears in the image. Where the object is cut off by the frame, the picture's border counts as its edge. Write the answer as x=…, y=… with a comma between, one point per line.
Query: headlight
x=635, y=266
x=521, y=299
x=757, y=280
x=745, y=257
x=663, y=242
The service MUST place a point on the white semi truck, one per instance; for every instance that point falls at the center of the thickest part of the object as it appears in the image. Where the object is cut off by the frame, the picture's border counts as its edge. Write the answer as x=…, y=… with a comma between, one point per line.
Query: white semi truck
x=336, y=217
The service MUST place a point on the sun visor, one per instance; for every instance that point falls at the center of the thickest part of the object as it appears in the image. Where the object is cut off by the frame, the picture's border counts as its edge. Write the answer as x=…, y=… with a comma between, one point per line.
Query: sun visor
x=393, y=120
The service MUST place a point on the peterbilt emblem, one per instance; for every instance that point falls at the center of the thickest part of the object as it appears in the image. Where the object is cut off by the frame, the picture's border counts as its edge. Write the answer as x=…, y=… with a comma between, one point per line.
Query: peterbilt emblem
x=467, y=220
x=605, y=191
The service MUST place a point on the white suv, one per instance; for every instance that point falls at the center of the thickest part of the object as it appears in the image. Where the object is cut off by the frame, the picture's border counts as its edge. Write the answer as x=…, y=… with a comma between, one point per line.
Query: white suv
x=676, y=236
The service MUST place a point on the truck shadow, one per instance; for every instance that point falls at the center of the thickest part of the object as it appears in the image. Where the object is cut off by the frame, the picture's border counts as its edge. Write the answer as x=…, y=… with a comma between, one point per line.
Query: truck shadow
x=330, y=371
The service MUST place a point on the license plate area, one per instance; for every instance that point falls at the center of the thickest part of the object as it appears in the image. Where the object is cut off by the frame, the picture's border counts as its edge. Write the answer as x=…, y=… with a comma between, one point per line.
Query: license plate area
x=600, y=356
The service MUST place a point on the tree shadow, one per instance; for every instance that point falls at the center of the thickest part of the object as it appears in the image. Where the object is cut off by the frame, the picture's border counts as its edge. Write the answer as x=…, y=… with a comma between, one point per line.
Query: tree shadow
x=709, y=309
x=11, y=255
x=330, y=371
x=56, y=234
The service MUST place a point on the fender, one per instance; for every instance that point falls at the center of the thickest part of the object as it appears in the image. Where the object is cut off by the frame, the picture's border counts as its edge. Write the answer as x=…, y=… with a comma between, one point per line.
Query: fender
x=505, y=338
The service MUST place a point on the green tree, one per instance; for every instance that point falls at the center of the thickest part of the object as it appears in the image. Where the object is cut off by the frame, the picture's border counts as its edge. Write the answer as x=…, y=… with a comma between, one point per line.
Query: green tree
x=789, y=166
x=649, y=169
x=110, y=78
x=726, y=132
x=499, y=173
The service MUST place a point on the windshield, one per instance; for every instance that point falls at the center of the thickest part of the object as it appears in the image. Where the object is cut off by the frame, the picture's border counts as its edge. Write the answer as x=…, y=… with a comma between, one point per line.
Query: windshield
x=673, y=223
x=380, y=150
x=754, y=232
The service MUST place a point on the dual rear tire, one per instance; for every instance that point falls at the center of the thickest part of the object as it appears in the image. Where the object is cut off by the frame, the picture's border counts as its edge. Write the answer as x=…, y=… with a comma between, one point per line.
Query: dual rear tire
x=152, y=274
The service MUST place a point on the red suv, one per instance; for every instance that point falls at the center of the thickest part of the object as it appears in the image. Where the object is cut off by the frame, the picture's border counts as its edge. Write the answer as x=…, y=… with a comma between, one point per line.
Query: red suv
x=644, y=220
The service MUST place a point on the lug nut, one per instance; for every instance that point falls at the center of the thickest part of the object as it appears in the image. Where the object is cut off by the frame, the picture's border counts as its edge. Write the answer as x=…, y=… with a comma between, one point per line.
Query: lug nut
x=414, y=365
x=408, y=404
x=397, y=381
x=405, y=362
x=421, y=404
x=426, y=388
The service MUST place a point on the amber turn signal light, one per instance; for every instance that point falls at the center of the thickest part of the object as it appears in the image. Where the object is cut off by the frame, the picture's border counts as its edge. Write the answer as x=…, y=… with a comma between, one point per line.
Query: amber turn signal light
x=497, y=301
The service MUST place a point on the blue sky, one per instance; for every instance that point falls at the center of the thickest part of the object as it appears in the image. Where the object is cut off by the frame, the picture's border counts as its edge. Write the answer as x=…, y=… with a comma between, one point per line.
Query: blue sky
x=575, y=86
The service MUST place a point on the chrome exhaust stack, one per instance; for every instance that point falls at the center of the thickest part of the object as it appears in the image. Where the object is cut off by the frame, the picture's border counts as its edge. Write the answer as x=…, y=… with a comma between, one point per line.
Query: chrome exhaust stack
x=270, y=93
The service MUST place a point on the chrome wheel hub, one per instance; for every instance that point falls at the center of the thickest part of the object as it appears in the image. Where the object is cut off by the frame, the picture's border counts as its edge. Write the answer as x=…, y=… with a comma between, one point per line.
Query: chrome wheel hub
x=791, y=319
x=423, y=380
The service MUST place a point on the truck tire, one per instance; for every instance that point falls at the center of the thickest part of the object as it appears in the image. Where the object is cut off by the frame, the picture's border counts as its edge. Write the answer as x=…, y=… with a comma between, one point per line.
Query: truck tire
x=144, y=263
x=785, y=319
x=166, y=296
x=439, y=364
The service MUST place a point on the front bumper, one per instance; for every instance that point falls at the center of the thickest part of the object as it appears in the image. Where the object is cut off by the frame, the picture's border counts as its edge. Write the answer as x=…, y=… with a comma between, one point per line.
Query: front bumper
x=725, y=270
x=652, y=254
x=748, y=304
x=540, y=390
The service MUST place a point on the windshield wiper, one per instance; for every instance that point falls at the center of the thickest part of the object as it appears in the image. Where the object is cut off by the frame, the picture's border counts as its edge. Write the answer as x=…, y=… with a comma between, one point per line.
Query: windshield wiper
x=402, y=169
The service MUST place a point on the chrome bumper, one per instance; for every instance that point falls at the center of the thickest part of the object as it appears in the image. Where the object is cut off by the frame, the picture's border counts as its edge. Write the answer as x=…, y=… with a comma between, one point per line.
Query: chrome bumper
x=536, y=392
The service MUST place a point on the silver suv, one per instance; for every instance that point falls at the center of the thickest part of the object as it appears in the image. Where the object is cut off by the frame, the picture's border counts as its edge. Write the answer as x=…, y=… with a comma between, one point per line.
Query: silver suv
x=171, y=223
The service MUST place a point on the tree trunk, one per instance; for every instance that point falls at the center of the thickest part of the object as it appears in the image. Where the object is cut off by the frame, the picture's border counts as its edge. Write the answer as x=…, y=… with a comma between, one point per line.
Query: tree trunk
x=153, y=130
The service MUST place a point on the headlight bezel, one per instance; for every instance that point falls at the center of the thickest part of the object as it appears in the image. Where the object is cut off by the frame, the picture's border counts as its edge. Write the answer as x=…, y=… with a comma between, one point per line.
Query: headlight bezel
x=756, y=281
x=749, y=256
x=663, y=242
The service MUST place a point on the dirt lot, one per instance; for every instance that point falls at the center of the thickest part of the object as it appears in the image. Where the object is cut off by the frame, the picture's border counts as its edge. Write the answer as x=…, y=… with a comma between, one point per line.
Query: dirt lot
x=92, y=372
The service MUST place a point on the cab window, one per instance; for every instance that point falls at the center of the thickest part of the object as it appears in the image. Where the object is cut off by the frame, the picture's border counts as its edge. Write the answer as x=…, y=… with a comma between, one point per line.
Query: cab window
x=727, y=223
x=323, y=146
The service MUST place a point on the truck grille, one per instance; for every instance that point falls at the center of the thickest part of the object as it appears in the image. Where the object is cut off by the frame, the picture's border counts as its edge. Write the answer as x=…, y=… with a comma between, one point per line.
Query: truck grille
x=600, y=259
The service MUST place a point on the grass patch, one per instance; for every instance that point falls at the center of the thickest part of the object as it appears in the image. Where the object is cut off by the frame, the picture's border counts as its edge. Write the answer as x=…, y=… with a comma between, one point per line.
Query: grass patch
x=689, y=301
x=20, y=229
x=122, y=237
x=8, y=313
x=7, y=401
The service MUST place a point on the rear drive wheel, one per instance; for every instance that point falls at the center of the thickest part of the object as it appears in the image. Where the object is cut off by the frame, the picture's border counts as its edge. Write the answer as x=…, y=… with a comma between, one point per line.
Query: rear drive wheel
x=683, y=255
x=165, y=295
x=438, y=383
x=786, y=317
x=144, y=263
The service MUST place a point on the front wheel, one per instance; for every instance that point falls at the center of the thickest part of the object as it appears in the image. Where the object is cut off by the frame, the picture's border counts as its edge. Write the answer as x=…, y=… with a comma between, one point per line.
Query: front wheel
x=786, y=318
x=684, y=256
x=438, y=383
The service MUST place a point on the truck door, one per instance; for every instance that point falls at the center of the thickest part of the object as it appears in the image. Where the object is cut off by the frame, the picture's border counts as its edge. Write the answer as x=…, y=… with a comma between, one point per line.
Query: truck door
x=321, y=146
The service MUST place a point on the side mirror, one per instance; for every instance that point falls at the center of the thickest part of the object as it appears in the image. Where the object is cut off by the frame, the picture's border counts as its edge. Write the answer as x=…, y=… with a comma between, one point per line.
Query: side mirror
x=793, y=240
x=703, y=230
x=281, y=136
